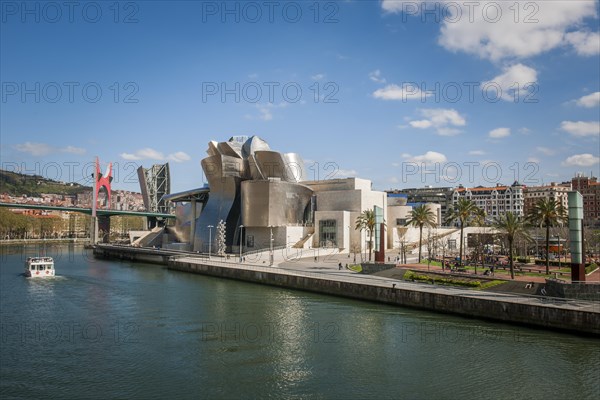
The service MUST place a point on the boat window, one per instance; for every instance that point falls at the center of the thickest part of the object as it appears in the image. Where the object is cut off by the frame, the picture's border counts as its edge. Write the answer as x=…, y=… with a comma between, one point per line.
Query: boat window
x=33, y=267
x=41, y=267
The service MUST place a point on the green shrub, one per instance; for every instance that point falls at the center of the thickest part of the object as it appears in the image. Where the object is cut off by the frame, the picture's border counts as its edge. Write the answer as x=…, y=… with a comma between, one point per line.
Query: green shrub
x=590, y=268
x=355, y=267
x=554, y=263
x=525, y=260
x=411, y=275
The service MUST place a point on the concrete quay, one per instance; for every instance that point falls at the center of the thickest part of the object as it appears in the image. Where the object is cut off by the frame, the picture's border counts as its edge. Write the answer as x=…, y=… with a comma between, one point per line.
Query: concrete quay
x=305, y=274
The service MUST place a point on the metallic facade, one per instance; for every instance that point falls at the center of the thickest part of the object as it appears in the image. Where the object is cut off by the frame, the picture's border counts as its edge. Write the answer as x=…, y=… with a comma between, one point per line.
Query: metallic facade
x=250, y=184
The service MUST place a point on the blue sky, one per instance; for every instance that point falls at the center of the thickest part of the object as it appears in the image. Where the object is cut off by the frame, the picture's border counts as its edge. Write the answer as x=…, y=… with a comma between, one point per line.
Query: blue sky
x=160, y=67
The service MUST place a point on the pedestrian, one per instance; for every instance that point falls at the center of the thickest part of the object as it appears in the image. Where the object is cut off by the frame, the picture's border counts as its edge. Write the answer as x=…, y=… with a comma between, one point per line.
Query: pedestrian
x=339, y=266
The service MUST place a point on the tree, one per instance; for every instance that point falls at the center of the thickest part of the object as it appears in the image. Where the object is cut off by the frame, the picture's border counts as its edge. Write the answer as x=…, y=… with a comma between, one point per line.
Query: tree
x=420, y=216
x=547, y=212
x=512, y=227
x=366, y=221
x=479, y=220
x=402, y=247
x=462, y=212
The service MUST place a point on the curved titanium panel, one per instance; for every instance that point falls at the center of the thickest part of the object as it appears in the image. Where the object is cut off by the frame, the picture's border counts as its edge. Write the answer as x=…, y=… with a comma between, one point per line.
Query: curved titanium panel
x=275, y=203
x=255, y=172
x=253, y=145
x=223, y=175
x=271, y=164
x=212, y=149
x=294, y=167
x=232, y=149
x=237, y=172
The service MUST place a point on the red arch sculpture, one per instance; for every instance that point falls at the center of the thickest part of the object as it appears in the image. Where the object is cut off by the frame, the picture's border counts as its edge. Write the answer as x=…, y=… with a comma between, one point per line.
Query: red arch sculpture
x=103, y=181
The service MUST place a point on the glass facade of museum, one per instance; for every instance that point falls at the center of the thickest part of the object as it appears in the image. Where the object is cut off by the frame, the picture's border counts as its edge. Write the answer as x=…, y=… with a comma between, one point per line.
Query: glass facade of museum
x=328, y=233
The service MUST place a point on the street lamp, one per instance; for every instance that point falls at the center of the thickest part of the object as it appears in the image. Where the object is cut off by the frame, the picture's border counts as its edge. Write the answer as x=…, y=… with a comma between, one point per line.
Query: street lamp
x=209, y=239
x=271, y=246
x=558, y=249
x=241, y=242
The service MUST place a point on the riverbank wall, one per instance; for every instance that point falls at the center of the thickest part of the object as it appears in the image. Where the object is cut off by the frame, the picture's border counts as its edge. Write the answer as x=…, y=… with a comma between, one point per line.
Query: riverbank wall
x=556, y=314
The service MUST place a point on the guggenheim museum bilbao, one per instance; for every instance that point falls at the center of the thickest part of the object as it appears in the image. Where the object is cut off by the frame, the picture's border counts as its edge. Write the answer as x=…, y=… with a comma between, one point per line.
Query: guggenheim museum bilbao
x=260, y=198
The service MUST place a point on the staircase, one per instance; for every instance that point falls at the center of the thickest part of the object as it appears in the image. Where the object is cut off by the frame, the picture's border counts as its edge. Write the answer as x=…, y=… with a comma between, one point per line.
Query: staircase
x=151, y=239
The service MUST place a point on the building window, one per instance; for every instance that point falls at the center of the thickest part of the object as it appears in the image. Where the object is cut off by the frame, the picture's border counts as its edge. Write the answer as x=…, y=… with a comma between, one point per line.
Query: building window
x=400, y=221
x=328, y=232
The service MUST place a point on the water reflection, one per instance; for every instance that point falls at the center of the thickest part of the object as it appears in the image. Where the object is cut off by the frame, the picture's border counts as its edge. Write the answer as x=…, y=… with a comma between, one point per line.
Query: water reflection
x=169, y=334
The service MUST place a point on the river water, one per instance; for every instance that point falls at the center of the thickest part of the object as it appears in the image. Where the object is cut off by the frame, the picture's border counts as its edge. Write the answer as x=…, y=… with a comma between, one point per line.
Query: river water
x=107, y=329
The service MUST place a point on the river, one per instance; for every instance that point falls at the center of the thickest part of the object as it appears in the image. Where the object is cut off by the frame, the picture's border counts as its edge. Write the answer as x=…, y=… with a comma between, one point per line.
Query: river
x=107, y=329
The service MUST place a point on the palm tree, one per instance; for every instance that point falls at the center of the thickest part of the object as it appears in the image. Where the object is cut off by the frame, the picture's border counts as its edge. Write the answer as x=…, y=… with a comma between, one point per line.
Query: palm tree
x=462, y=211
x=366, y=221
x=547, y=212
x=513, y=227
x=479, y=220
x=420, y=216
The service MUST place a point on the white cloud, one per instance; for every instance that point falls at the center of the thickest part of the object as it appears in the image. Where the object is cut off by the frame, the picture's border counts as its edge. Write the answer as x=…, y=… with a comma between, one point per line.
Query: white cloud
x=130, y=156
x=317, y=77
x=499, y=133
x=421, y=124
x=35, y=149
x=493, y=29
x=405, y=92
x=581, y=128
x=590, y=100
x=581, y=160
x=395, y=6
x=546, y=151
x=265, y=111
x=443, y=120
x=476, y=153
x=429, y=157
x=524, y=131
x=445, y=131
x=375, y=76
x=73, y=150
x=42, y=149
x=533, y=160
x=585, y=43
x=515, y=82
x=179, y=156
x=148, y=153
x=393, y=180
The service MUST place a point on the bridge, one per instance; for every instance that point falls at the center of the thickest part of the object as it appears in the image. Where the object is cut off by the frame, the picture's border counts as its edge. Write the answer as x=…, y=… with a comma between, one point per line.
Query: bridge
x=99, y=212
x=103, y=216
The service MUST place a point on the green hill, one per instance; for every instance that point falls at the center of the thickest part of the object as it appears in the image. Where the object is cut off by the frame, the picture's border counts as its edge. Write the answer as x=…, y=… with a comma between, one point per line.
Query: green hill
x=16, y=184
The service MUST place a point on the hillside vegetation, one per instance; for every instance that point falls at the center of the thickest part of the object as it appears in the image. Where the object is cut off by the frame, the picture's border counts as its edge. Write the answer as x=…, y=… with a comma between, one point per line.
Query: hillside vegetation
x=16, y=184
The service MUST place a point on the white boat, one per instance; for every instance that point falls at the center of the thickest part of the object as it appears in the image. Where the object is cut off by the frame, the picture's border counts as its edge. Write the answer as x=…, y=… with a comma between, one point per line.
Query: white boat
x=39, y=267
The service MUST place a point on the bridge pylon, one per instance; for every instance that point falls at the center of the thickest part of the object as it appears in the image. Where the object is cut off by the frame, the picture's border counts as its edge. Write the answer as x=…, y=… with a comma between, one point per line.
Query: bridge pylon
x=100, y=181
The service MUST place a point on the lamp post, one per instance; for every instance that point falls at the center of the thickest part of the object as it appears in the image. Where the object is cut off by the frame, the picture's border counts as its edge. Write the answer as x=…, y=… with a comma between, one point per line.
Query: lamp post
x=241, y=241
x=558, y=249
x=209, y=239
x=271, y=246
